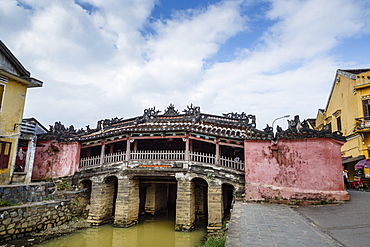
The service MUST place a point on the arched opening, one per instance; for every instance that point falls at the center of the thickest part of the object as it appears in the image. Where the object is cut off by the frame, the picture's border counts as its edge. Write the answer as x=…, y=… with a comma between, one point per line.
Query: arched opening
x=109, y=197
x=83, y=199
x=227, y=197
x=157, y=195
x=200, y=193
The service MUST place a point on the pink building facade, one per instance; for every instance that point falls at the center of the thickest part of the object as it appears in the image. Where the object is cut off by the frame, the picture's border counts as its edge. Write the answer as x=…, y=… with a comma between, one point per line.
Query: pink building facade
x=302, y=169
x=55, y=159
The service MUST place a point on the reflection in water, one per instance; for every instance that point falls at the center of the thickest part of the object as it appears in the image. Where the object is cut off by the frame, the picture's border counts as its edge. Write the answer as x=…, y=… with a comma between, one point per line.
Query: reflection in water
x=158, y=232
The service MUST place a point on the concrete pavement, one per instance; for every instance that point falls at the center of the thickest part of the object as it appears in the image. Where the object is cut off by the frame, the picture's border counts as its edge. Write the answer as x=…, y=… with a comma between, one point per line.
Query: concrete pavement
x=349, y=223
x=259, y=224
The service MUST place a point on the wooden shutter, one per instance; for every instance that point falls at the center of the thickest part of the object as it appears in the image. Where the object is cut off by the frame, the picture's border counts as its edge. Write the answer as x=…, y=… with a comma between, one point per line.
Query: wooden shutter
x=4, y=154
x=365, y=104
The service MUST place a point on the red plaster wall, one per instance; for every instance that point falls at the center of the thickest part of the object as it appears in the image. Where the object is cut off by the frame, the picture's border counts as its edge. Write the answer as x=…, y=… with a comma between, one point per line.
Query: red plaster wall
x=294, y=169
x=55, y=159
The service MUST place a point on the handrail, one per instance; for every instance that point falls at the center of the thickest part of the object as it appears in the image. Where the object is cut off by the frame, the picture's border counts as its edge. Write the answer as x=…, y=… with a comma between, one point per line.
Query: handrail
x=177, y=155
x=158, y=155
x=90, y=161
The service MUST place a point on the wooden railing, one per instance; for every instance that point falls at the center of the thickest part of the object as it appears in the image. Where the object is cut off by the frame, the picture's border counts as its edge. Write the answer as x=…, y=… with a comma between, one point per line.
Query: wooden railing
x=178, y=155
x=114, y=157
x=202, y=157
x=232, y=163
x=90, y=161
x=158, y=155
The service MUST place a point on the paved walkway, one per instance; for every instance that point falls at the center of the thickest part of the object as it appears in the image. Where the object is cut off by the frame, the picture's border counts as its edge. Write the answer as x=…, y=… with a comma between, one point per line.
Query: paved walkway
x=259, y=224
x=349, y=222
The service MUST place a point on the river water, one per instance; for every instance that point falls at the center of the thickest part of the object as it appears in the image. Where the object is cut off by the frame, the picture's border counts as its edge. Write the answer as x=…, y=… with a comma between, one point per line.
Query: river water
x=152, y=232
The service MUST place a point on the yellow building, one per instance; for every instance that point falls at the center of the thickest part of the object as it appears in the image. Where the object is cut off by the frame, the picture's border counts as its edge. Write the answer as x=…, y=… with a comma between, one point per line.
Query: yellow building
x=348, y=111
x=14, y=82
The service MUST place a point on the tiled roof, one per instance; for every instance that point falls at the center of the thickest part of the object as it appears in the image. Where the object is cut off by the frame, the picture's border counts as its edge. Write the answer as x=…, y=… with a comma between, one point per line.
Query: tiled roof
x=355, y=71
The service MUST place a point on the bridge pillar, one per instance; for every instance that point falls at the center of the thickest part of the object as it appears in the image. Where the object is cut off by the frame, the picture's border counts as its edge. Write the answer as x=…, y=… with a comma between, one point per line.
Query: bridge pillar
x=102, y=200
x=128, y=202
x=215, y=206
x=156, y=198
x=185, y=205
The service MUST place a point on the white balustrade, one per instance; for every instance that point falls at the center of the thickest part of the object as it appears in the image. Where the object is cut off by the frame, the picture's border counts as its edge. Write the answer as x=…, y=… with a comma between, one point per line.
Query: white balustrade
x=158, y=155
x=163, y=155
x=114, y=157
x=90, y=161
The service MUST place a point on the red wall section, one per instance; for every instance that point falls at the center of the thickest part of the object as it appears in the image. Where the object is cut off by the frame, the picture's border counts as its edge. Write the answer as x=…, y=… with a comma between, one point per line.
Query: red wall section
x=294, y=169
x=55, y=159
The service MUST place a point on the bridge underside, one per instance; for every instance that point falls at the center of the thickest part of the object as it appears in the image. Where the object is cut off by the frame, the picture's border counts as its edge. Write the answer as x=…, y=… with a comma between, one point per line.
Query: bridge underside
x=121, y=195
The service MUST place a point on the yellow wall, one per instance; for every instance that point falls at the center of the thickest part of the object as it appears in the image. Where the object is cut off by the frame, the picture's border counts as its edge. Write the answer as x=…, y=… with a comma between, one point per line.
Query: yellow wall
x=346, y=101
x=11, y=113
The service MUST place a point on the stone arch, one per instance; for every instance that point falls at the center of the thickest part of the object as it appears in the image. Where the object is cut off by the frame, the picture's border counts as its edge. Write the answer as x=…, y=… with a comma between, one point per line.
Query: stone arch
x=84, y=197
x=200, y=193
x=228, y=191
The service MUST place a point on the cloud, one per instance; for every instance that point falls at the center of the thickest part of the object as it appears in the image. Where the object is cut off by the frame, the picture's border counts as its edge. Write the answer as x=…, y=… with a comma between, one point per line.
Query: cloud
x=106, y=58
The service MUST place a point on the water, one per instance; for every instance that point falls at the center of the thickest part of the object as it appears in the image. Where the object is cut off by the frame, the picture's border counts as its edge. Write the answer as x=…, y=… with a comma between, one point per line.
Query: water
x=158, y=232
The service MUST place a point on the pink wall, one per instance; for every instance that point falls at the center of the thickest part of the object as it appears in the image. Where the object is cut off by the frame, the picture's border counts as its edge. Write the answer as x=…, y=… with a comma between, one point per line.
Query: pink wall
x=55, y=159
x=308, y=168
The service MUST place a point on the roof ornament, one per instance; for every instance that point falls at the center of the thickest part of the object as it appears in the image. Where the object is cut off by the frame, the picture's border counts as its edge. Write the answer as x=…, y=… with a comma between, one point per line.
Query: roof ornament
x=106, y=123
x=171, y=111
x=242, y=118
x=149, y=114
x=193, y=112
x=297, y=130
x=62, y=132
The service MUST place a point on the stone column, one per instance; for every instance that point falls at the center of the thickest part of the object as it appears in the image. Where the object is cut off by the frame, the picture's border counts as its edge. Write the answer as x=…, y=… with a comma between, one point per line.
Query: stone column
x=185, y=205
x=102, y=153
x=128, y=202
x=96, y=202
x=150, y=199
x=30, y=159
x=215, y=206
x=217, y=156
x=187, y=147
x=128, y=147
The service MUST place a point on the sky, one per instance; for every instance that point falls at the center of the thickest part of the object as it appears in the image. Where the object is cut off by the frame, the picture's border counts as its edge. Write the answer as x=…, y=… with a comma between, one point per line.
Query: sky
x=101, y=59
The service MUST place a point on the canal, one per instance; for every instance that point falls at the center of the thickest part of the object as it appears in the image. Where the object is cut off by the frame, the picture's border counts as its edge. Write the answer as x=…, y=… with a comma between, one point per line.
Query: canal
x=151, y=231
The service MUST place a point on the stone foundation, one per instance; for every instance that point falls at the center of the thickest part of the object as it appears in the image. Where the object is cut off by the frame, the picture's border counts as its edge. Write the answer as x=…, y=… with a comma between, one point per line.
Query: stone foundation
x=19, y=221
x=34, y=192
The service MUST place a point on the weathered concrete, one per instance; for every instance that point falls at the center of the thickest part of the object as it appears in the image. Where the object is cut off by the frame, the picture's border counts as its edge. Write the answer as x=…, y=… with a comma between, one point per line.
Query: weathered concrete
x=294, y=169
x=55, y=159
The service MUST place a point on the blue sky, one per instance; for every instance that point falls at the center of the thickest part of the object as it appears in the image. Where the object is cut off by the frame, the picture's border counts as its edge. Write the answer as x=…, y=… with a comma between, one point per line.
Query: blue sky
x=105, y=58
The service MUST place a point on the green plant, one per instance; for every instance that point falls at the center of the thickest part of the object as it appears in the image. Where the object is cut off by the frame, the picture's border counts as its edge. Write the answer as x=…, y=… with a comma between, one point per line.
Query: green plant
x=62, y=185
x=215, y=240
x=5, y=203
x=323, y=202
x=210, y=176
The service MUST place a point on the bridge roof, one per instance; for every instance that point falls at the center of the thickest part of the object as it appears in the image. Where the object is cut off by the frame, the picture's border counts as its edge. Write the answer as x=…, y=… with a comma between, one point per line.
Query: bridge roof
x=231, y=126
x=210, y=125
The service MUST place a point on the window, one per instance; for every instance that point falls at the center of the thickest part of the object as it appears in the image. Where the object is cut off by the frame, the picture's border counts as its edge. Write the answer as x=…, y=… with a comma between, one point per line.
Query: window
x=366, y=104
x=4, y=154
x=2, y=90
x=339, y=124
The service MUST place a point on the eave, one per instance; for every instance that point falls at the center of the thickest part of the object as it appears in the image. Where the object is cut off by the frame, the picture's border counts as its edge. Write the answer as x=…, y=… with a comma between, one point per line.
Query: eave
x=29, y=81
